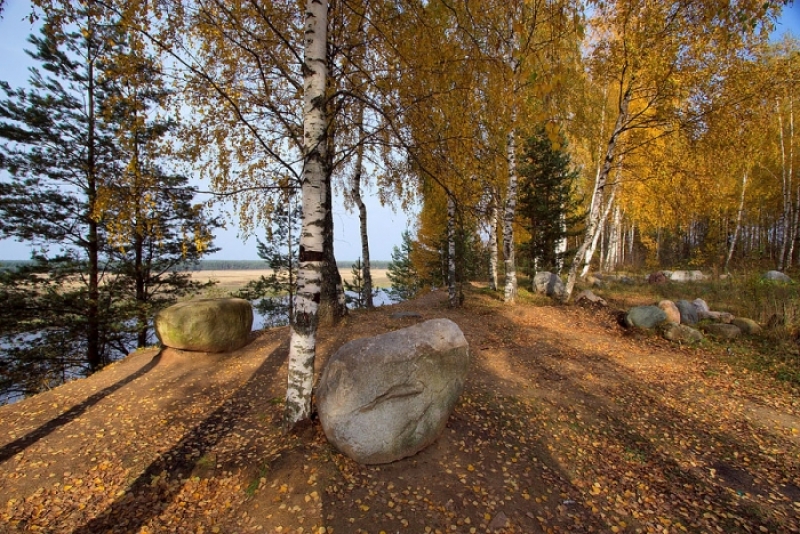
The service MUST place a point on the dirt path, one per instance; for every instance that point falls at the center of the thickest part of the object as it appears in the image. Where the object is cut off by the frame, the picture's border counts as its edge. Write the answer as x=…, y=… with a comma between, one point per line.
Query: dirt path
x=567, y=424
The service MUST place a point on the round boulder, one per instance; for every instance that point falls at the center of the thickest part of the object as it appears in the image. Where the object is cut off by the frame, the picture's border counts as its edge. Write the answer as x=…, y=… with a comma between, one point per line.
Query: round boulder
x=688, y=312
x=205, y=325
x=387, y=397
x=645, y=316
x=673, y=314
x=657, y=278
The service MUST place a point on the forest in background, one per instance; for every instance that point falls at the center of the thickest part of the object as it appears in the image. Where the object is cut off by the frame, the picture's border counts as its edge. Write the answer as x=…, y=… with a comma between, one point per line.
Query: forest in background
x=534, y=134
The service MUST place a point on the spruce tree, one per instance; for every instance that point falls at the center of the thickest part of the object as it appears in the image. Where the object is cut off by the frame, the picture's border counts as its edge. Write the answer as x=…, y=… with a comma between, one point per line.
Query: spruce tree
x=547, y=203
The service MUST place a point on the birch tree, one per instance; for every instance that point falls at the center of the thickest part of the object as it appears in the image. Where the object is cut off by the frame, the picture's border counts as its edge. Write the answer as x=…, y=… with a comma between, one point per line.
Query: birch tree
x=302, y=347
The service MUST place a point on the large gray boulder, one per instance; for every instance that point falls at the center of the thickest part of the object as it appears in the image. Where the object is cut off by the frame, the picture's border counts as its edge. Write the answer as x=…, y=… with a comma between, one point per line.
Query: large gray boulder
x=688, y=312
x=776, y=276
x=681, y=333
x=549, y=284
x=387, y=397
x=645, y=316
x=205, y=325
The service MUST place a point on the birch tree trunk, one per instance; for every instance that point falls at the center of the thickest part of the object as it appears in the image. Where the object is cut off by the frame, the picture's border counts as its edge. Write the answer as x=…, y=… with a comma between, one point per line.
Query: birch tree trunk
x=786, y=175
x=355, y=192
x=451, y=252
x=593, y=220
x=302, y=347
x=587, y=261
x=492, y=238
x=737, y=230
x=510, y=293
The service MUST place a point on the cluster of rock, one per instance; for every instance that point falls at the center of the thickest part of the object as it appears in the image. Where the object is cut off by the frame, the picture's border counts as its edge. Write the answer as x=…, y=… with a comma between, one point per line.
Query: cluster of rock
x=387, y=397
x=677, y=321
x=205, y=325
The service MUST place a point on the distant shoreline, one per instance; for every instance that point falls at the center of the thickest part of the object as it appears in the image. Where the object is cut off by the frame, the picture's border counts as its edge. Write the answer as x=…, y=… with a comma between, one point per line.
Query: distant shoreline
x=219, y=265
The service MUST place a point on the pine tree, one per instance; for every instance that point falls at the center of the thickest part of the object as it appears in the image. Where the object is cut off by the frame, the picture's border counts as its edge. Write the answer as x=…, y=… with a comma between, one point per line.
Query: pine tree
x=401, y=272
x=107, y=226
x=358, y=293
x=274, y=294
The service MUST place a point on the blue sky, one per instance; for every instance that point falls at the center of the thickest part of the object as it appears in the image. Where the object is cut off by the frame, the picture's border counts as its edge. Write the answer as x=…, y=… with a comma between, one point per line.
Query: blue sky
x=385, y=225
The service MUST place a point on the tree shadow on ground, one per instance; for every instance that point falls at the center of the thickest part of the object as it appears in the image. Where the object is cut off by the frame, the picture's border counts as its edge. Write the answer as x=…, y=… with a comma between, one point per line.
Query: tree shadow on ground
x=159, y=483
x=22, y=443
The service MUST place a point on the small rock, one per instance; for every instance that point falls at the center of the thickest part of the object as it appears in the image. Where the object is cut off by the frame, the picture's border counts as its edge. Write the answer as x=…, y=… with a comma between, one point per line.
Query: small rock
x=747, y=326
x=657, y=278
x=587, y=296
x=645, y=316
x=725, y=317
x=681, y=333
x=669, y=307
x=688, y=312
x=722, y=330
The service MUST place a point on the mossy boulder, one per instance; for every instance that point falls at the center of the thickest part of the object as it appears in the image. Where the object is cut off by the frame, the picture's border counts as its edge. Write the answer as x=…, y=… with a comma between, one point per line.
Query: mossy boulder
x=722, y=330
x=205, y=325
x=747, y=326
x=645, y=316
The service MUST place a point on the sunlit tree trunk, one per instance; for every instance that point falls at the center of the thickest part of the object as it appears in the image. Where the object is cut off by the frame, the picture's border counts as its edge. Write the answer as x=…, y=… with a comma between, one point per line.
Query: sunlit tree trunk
x=302, y=348
x=510, y=293
x=738, y=228
x=594, y=218
x=492, y=216
x=355, y=192
x=451, y=252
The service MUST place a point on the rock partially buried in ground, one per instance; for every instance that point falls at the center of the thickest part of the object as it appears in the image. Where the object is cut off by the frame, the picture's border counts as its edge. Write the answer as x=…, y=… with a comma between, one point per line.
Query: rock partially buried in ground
x=588, y=297
x=747, y=326
x=681, y=333
x=645, y=316
x=205, y=325
x=776, y=276
x=384, y=398
x=722, y=330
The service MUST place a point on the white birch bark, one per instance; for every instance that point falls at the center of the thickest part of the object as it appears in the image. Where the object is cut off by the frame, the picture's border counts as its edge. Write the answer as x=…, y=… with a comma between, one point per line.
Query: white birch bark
x=587, y=260
x=561, y=245
x=302, y=347
x=737, y=230
x=786, y=190
x=355, y=192
x=593, y=220
x=493, y=255
x=510, y=292
x=451, y=252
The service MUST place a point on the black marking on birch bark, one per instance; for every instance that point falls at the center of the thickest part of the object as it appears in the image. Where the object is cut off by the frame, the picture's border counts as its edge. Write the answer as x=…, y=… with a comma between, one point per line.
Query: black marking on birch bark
x=310, y=255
